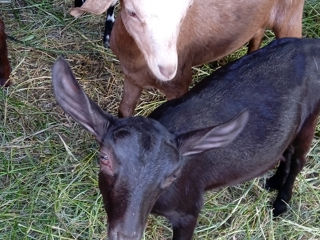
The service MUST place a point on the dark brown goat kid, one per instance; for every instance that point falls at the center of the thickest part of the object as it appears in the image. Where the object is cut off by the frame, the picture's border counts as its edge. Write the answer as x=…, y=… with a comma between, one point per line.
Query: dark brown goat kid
x=4, y=62
x=157, y=42
x=163, y=164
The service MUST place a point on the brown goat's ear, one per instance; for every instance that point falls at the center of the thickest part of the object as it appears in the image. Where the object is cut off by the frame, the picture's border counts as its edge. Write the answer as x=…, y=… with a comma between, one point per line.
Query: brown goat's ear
x=96, y=7
x=75, y=102
x=213, y=137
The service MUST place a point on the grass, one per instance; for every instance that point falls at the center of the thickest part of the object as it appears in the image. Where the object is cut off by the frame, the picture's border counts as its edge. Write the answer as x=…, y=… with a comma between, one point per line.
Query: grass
x=48, y=166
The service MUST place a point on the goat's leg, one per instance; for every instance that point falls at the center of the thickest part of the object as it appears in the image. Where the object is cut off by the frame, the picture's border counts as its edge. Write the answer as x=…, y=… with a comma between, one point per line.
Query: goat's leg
x=285, y=192
x=184, y=223
x=108, y=23
x=255, y=42
x=108, y=26
x=301, y=146
x=184, y=228
x=280, y=177
x=288, y=21
x=182, y=212
x=289, y=31
x=130, y=97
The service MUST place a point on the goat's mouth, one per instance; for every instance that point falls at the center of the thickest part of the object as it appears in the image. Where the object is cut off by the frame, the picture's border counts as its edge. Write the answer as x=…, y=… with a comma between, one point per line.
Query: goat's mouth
x=123, y=234
x=130, y=227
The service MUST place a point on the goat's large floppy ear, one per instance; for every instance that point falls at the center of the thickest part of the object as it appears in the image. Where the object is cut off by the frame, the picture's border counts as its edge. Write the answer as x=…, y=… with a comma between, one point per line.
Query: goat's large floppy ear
x=75, y=102
x=213, y=137
x=92, y=6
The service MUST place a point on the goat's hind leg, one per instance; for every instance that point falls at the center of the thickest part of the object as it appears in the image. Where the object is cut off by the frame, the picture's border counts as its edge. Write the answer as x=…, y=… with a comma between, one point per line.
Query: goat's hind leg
x=288, y=20
x=279, y=178
x=301, y=145
x=285, y=191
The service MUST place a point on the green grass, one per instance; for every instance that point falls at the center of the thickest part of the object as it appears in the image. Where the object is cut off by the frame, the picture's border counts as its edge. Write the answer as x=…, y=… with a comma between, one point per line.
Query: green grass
x=48, y=163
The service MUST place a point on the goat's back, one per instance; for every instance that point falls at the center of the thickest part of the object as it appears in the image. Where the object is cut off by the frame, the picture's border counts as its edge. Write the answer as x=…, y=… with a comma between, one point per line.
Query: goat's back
x=279, y=85
x=215, y=28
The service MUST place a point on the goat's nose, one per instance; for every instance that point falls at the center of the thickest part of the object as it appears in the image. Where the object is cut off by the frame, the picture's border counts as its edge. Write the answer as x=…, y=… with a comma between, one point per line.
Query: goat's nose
x=167, y=71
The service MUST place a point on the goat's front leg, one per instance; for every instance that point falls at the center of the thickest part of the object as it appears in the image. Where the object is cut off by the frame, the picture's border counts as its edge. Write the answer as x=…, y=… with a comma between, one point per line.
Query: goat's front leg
x=255, y=42
x=184, y=228
x=184, y=218
x=130, y=97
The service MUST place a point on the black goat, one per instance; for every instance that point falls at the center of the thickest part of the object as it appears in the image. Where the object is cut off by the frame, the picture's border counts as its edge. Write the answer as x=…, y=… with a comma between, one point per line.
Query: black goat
x=163, y=164
x=108, y=23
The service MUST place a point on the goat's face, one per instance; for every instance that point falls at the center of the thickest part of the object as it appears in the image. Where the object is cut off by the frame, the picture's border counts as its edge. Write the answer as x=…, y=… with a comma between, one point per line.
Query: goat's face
x=153, y=24
x=4, y=62
x=155, y=27
x=139, y=157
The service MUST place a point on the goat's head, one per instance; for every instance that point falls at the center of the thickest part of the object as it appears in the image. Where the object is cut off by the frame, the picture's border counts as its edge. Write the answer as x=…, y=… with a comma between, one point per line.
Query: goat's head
x=139, y=157
x=155, y=27
x=4, y=62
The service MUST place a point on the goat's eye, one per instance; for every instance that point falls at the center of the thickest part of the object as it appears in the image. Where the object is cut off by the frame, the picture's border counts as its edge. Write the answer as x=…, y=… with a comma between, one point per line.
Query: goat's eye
x=132, y=13
x=107, y=166
x=104, y=158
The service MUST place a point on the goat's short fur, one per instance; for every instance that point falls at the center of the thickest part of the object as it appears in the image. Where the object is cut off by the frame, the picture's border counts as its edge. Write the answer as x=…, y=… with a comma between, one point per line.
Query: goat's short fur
x=163, y=164
x=210, y=29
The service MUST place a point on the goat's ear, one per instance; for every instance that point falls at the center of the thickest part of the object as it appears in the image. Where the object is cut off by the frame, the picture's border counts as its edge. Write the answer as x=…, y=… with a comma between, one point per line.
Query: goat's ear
x=213, y=137
x=75, y=102
x=96, y=7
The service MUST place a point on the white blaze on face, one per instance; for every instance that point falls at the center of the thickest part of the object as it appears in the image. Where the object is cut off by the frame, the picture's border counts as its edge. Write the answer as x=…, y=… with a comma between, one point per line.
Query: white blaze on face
x=155, y=26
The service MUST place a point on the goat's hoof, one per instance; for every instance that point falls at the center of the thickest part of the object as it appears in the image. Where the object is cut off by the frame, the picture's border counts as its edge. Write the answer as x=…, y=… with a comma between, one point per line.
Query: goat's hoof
x=279, y=207
x=272, y=184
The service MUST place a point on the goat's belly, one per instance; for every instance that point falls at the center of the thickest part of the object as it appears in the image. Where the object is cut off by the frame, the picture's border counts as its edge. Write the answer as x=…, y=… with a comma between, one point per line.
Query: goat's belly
x=242, y=173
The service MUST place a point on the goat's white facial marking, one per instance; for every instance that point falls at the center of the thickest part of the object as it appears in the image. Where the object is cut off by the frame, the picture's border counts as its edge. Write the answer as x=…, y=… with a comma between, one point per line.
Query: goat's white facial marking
x=155, y=26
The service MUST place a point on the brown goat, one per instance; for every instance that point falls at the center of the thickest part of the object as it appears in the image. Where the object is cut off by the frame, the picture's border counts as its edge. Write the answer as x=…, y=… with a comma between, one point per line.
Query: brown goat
x=153, y=50
x=4, y=62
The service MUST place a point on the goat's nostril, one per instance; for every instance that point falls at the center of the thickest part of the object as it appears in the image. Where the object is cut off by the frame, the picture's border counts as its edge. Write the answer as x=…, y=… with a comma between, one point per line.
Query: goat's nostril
x=167, y=71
